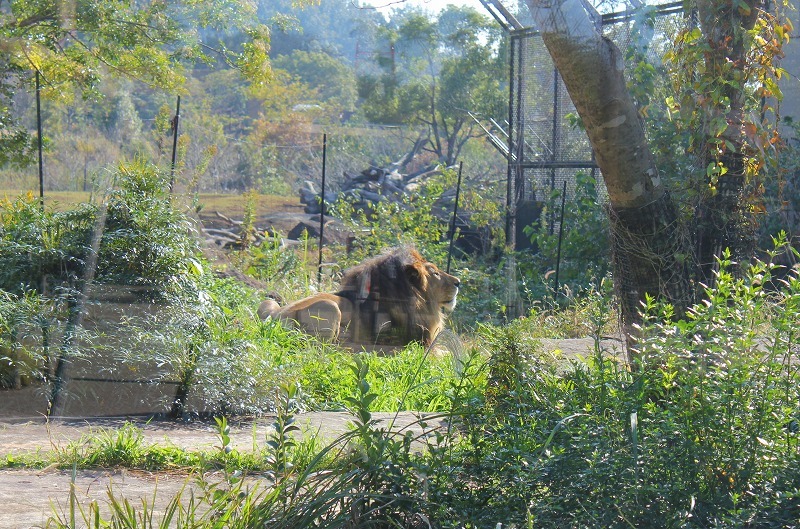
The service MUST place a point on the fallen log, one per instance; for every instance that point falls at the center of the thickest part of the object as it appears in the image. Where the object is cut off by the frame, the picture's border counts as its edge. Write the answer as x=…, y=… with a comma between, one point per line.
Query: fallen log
x=229, y=220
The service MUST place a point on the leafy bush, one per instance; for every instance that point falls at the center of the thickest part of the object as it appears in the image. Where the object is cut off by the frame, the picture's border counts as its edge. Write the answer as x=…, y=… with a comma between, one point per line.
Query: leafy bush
x=49, y=258
x=209, y=341
x=27, y=323
x=585, y=239
x=141, y=238
x=422, y=219
x=592, y=311
x=287, y=272
x=702, y=434
x=145, y=239
x=36, y=244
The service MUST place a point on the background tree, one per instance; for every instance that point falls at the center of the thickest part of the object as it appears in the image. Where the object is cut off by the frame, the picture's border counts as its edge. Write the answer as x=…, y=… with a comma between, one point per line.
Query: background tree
x=440, y=70
x=332, y=78
x=77, y=42
x=653, y=252
x=339, y=28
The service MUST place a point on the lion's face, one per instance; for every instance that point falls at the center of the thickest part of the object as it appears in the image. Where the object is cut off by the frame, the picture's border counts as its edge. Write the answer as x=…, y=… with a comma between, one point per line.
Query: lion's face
x=440, y=287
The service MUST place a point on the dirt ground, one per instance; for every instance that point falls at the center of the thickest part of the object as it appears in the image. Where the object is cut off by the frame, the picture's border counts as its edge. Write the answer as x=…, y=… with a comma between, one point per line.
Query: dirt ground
x=29, y=497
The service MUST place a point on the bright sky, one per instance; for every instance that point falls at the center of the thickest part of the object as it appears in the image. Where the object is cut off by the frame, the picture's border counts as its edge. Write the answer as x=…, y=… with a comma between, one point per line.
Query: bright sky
x=431, y=5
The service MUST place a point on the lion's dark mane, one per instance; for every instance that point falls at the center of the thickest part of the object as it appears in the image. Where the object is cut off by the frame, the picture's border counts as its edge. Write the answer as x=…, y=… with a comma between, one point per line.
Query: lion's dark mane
x=393, y=284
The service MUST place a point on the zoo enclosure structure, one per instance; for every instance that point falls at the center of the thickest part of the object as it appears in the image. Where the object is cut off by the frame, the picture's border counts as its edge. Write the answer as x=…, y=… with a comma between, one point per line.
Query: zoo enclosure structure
x=541, y=142
x=543, y=147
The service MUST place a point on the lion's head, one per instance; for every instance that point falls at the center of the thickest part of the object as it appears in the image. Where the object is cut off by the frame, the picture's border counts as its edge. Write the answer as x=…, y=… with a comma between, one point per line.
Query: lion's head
x=401, y=294
x=437, y=288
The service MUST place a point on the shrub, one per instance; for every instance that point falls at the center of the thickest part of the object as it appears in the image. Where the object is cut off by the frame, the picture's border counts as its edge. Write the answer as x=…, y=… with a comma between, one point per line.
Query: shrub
x=585, y=239
x=41, y=250
x=145, y=240
x=702, y=434
x=49, y=258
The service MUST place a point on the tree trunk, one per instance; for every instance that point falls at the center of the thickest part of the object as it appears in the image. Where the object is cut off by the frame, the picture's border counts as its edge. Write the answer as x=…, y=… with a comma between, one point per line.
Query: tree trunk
x=648, y=248
x=721, y=213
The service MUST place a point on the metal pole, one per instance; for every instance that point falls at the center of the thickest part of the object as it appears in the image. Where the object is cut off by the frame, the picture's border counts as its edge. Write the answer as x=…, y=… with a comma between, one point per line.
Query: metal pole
x=322, y=207
x=39, y=139
x=554, y=139
x=455, y=213
x=560, y=233
x=175, y=123
x=514, y=153
x=511, y=148
x=517, y=184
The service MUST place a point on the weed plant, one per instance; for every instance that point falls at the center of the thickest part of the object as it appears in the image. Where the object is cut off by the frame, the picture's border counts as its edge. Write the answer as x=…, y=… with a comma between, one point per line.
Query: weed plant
x=702, y=432
x=287, y=272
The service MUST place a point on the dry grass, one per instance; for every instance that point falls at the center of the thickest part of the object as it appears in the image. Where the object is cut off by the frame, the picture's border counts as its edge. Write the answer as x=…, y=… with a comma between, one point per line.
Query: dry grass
x=230, y=205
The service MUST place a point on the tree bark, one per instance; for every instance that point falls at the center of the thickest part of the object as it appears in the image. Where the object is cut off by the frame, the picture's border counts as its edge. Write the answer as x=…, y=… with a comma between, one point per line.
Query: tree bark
x=648, y=249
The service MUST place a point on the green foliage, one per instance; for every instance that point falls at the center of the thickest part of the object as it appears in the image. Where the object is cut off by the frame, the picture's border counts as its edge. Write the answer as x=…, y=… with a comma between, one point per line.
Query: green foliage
x=48, y=258
x=77, y=43
x=585, y=254
x=281, y=441
x=211, y=343
x=702, y=434
x=123, y=447
x=707, y=89
x=145, y=240
x=333, y=80
x=480, y=295
x=781, y=199
x=37, y=243
x=589, y=312
x=27, y=321
x=285, y=271
x=408, y=379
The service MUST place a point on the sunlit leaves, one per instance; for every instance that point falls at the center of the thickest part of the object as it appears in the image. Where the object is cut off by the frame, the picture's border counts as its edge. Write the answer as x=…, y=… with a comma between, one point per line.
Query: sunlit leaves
x=254, y=60
x=723, y=74
x=73, y=44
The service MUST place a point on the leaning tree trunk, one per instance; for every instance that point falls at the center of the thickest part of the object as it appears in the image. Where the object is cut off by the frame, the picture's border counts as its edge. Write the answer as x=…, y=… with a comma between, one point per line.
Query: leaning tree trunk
x=647, y=243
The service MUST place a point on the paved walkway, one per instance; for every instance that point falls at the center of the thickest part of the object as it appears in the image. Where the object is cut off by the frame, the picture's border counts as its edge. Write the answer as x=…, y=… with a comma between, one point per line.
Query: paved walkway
x=29, y=497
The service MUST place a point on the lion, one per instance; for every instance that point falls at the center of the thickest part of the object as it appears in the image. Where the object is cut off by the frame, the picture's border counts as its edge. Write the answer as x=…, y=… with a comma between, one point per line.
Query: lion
x=393, y=299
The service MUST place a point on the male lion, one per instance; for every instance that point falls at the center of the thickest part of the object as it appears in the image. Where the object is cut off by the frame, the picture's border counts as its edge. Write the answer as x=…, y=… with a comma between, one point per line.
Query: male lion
x=394, y=298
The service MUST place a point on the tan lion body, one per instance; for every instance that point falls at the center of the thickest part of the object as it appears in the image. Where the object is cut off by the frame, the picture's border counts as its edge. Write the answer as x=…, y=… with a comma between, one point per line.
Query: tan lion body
x=396, y=297
x=320, y=314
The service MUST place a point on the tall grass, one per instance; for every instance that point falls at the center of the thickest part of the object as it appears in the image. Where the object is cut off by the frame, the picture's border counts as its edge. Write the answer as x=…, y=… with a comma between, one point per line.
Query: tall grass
x=703, y=433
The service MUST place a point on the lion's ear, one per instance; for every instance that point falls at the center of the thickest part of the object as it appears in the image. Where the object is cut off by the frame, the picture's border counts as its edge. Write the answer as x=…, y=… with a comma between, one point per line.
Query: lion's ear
x=417, y=276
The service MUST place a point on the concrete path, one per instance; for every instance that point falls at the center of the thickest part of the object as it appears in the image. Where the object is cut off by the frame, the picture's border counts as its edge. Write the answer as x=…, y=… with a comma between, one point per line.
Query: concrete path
x=29, y=497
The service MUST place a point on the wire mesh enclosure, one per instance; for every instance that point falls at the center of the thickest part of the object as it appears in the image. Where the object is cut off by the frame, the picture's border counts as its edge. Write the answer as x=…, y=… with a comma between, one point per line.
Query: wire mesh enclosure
x=546, y=146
